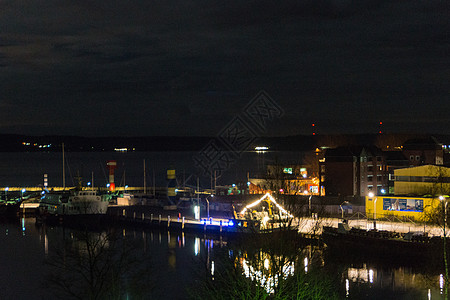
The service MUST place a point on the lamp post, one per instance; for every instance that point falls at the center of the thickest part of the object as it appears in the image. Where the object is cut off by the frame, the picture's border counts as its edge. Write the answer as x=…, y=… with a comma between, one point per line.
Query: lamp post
x=6, y=193
x=371, y=195
x=207, y=204
x=442, y=198
x=309, y=205
x=342, y=210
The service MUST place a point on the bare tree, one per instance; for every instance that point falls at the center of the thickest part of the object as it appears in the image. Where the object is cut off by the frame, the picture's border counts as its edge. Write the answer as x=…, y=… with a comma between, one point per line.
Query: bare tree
x=96, y=265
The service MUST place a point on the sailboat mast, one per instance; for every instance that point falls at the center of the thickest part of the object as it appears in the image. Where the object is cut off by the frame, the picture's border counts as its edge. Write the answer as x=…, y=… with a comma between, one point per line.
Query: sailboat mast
x=145, y=185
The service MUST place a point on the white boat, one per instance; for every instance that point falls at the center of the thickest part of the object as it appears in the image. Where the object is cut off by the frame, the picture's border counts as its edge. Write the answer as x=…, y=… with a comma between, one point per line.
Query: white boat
x=84, y=203
x=78, y=203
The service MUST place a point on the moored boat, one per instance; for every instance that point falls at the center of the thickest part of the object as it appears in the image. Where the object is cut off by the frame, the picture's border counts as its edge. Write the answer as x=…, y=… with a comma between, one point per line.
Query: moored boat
x=381, y=242
x=59, y=207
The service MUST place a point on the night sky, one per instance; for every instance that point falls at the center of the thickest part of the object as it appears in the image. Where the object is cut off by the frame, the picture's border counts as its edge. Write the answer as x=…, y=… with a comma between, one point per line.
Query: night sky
x=171, y=67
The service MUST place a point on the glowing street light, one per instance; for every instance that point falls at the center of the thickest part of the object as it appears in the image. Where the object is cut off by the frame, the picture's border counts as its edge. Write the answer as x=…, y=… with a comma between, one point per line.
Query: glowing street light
x=6, y=193
x=342, y=210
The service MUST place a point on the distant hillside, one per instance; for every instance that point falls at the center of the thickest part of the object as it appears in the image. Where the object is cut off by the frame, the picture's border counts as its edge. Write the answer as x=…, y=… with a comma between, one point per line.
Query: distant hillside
x=24, y=143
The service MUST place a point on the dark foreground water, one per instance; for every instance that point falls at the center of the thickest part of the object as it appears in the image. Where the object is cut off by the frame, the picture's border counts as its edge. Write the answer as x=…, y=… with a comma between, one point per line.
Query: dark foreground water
x=35, y=261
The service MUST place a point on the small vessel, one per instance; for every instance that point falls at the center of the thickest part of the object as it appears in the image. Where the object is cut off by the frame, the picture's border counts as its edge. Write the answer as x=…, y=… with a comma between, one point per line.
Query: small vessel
x=65, y=206
x=394, y=244
x=270, y=217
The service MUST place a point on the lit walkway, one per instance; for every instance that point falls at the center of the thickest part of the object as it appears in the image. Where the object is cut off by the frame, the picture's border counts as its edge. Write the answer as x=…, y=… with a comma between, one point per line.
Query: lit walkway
x=309, y=225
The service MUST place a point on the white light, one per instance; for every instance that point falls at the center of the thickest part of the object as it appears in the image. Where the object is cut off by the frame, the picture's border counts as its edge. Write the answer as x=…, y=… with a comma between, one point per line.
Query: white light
x=259, y=148
x=266, y=264
x=197, y=212
x=371, y=276
x=347, y=287
x=371, y=195
x=23, y=190
x=306, y=264
x=6, y=189
x=197, y=246
x=271, y=199
x=383, y=191
x=441, y=198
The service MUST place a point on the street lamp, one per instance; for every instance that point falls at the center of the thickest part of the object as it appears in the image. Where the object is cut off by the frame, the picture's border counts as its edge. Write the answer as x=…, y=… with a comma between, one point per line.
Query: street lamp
x=6, y=193
x=207, y=204
x=23, y=191
x=342, y=210
x=371, y=195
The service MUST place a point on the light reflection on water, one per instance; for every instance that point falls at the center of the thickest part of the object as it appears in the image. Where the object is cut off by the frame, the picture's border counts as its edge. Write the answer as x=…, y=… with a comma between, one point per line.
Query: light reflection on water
x=24, y=247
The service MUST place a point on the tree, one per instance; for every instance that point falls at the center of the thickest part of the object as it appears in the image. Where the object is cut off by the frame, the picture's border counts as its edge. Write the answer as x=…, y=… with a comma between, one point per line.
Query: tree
x=96, y=265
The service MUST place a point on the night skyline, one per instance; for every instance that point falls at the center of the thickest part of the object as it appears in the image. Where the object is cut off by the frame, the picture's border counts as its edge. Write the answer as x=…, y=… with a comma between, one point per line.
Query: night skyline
x=187, y=68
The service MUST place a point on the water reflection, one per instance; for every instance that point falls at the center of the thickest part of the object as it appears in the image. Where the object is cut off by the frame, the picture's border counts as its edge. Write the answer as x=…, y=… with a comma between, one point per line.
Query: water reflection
x=174, y=257
x=265, y=270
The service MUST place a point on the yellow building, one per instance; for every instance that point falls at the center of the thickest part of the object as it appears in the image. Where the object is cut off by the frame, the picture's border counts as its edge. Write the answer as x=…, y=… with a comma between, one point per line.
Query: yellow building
x=427, y=180
x=413, y=208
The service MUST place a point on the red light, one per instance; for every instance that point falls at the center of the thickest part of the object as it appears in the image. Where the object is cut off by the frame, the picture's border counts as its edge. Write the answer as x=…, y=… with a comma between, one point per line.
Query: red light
x=313, y=124
x=381, y=123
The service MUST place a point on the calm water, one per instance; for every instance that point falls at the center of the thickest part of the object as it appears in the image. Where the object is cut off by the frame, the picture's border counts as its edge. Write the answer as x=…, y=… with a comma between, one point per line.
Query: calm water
x=174, y=261
x=27, y=169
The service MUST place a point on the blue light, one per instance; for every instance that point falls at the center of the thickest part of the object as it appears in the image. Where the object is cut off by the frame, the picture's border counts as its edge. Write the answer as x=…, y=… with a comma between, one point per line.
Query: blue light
x=234, y=185
x=89, y=183
x=230, y=223
x=383, y=191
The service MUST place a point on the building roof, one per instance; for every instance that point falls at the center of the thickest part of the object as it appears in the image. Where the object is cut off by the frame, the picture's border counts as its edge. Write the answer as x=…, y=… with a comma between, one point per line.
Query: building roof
x=394, y=156
x=429, y=143
x=426, y=170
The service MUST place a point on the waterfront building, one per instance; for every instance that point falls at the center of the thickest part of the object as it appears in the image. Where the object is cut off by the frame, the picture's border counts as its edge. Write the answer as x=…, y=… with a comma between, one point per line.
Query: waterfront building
x=423, y=151
x=354, y=171
x=422, y=180
x=404, y=208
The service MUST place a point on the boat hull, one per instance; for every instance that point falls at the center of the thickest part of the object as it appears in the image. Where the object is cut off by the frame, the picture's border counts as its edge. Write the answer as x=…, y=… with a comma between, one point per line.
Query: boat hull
x=382, y=244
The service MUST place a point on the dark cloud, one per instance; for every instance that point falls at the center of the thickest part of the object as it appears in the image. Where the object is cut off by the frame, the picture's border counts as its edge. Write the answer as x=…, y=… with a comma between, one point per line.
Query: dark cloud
x=187, y=67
